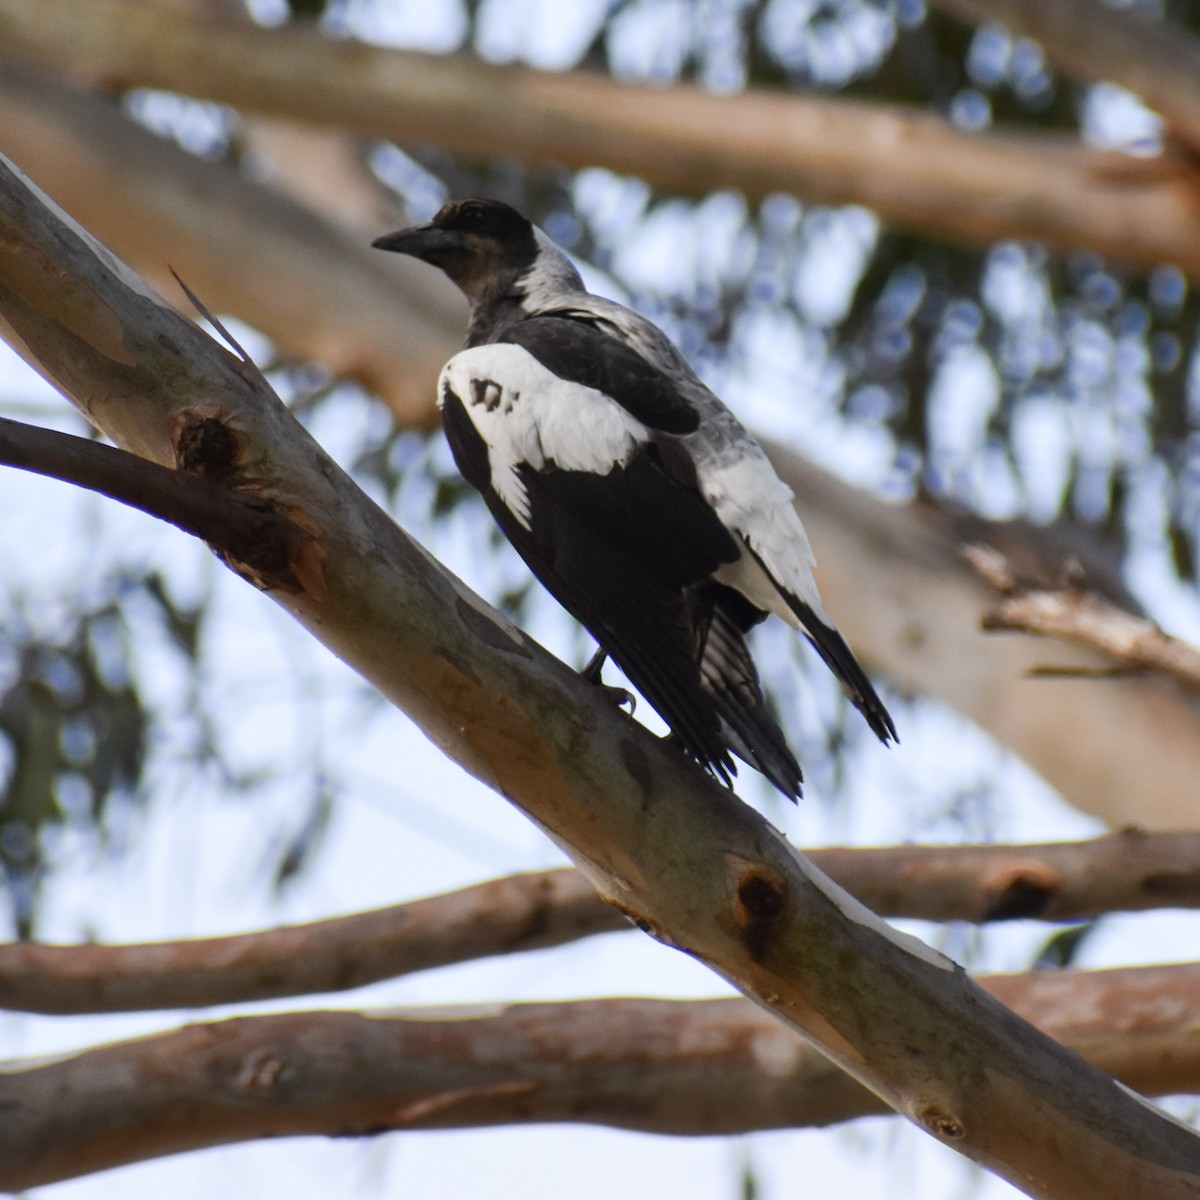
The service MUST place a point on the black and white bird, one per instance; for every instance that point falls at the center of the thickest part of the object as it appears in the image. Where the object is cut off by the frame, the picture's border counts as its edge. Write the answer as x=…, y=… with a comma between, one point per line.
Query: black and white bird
x=629, y=489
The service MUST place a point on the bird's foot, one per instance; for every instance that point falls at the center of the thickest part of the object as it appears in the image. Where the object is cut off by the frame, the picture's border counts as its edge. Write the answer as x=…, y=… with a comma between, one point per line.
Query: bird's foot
x=619, y=696
x=593, y=673
x=595, y=667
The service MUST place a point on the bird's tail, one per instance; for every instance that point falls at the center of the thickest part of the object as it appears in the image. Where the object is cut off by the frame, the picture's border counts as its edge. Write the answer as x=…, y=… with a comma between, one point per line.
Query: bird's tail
x=839, y=658
x=728, y=675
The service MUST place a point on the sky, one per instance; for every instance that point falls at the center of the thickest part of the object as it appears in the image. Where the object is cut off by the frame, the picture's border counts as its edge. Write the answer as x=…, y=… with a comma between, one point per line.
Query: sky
x=411, y=824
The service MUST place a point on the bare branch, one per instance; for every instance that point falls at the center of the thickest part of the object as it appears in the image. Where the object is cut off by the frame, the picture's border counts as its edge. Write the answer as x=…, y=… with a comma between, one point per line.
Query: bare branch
x=731, y=892
x=694, y=1067
x=1157, y=59
x=318, y=292
x=248, y=533
x=917, y=172
x=1128, y=871
x=504, y=916
x=1082, y=616
x=919, y=623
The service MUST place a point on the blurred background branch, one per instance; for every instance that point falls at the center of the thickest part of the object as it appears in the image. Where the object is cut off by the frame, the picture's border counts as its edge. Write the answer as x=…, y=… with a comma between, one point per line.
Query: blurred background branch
x=1124, y=872
x=691, y=1067
x=946, y=253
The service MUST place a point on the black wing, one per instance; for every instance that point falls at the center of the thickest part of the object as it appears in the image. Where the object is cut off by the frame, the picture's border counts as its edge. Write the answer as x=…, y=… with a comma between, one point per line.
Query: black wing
x=629, y=554
x=576, y=349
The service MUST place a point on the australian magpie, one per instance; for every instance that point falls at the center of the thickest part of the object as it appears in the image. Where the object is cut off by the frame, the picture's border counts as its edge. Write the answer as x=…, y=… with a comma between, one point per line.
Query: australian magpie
x=628, y=488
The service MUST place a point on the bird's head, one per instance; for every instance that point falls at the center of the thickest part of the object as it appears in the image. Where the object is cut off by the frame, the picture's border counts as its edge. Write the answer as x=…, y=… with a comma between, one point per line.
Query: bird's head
x=481, y=244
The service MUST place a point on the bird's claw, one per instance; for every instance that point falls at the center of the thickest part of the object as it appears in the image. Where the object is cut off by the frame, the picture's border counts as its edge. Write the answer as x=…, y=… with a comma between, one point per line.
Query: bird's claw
x=619, y=696
x=594, y=672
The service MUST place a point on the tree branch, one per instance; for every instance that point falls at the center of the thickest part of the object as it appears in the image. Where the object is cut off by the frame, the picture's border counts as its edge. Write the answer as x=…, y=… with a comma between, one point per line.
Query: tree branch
x=319, y=292
x=919, y=173
x=731, y=891
x=693, y=1067
x=247, y=532
x=918, y=622
x=1157, y=59
x=250, y=253
x=1128, y=871
x=504, y=916
x=1076, y=614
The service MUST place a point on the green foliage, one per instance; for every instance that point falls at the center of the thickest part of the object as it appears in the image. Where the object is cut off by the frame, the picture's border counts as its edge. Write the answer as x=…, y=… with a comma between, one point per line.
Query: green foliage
x=307, y=10
x=74, y=726
x=1062, y=947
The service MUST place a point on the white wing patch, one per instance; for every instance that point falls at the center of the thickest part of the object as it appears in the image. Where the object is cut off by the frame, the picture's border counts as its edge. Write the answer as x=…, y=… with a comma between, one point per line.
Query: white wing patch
x=528, y=415
x=753, y=502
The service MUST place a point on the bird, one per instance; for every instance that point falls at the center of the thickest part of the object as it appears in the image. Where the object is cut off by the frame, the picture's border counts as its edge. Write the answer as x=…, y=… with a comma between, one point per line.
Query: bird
x=631, y=491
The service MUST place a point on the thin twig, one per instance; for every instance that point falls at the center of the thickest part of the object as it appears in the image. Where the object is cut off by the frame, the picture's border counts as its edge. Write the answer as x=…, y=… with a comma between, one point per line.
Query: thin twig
x=242, y=527
x=1076, y=614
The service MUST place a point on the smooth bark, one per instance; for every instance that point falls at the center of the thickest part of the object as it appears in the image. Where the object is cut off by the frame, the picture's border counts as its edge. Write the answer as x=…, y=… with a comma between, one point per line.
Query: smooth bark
x=667, y=1067
x=1129, y=871
x=1127, y=751
x=918, y=172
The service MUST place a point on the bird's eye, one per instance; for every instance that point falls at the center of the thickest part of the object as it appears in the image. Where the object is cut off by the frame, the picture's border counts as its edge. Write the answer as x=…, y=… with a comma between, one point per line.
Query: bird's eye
x=470, y=214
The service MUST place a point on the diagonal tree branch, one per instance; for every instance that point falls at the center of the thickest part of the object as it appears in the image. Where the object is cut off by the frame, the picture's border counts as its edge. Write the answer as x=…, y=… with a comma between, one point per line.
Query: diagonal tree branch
x=1127, y=871
x=917, y=172
x=657, y=837
x=693, y=1067
x=1089, y=39
x=248, y=253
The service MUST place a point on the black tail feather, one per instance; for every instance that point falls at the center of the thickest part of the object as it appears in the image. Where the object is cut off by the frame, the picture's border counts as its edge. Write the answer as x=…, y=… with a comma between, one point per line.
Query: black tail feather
x=839, y=658
x=728, y=675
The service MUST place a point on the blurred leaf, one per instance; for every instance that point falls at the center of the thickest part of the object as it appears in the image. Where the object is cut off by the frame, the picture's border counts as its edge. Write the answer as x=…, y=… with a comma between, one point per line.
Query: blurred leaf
x=300, y=848
x=307, y=10
x=1062, y=947
x=183, y=624
x=749, y=1189
x=1182, y=552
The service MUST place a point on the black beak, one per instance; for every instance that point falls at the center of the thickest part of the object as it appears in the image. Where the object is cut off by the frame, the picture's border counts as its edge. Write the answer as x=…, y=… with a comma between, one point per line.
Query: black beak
x=421, y=241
